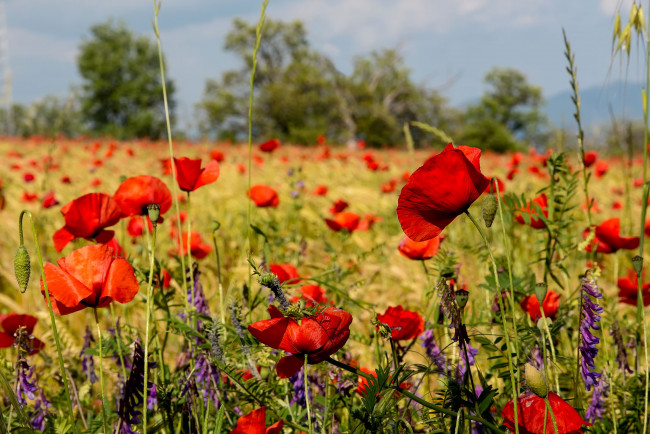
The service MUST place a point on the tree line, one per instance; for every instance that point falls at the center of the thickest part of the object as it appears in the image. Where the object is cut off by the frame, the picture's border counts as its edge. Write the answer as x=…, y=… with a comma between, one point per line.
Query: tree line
x=299, y=95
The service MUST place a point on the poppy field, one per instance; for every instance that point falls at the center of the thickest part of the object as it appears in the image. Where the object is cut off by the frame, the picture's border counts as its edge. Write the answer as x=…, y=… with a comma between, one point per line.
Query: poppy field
x=208, y=287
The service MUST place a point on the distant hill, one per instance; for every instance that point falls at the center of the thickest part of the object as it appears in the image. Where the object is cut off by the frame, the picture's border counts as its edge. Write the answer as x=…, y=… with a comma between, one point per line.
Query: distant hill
x=625, y=101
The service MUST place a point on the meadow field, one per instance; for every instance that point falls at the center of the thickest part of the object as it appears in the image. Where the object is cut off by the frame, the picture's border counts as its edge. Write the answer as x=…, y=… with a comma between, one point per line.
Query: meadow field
x=329, y=249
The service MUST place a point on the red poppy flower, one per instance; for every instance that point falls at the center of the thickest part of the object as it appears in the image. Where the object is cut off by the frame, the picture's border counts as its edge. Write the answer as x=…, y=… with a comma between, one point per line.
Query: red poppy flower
x=320, y=190
x=419, y=250
x=49, y=200
x=135, y=227
x=590, y=158
x=217, y=156
x=389, y=187
x=511, y=174
x=9, y=325
x=29, y=177
x=264, y=196
x=608, y=238
x=363, y=382
x=367, y=222
x=285, y=273
x=313, y=294
x=602, y=167
x=134, y=194
x=89, y=277
x=270, y=145
x=255, y=423
x=87, y=217
x=404, y=324
x=535, y=221
x=66, y=180
x=646, y=228
x=551, y=304
x=439, y=191
x=628, y=289
x=317, y=336
x=493, y=187
x=191, y=176
x=530, y=415
x=338, y=206
x=198, y=248
x=516, y=159
x=344, y=220
x=29, y=197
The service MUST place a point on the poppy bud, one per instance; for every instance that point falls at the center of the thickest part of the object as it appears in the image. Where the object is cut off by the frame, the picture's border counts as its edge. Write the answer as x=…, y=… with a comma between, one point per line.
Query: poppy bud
x=489, y=209
x=637, y=263
x=540, y=291
x=215, y=225
x=22, y=268
x=461, y=298
x=153, y=210
x=536, y=381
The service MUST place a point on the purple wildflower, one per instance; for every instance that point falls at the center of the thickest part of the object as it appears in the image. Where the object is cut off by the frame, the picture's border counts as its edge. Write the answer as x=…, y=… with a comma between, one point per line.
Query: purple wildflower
x=130, y=405
x=433, y=350
x=39, y=415
x=298, y=382
x=588, y=341
x=87, y=362
x=466, y=360
x=597, y=405
x=207, y=378
x=621, y=352
x=450, y=310
x=536, y=359
x=196, y=296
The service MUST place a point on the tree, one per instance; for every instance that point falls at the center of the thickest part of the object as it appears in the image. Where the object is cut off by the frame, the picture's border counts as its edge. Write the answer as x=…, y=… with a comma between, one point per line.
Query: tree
x=48, y=117
x=508, y=115
x=122, y=90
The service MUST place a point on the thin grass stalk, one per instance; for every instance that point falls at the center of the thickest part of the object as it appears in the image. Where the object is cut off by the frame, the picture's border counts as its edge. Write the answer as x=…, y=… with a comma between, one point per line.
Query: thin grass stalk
x=149, y=313
x=55, y=332
x=101, y=371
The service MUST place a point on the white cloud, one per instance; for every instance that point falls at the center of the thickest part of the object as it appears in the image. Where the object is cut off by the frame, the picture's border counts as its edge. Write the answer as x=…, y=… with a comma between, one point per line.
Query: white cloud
x=610, y=7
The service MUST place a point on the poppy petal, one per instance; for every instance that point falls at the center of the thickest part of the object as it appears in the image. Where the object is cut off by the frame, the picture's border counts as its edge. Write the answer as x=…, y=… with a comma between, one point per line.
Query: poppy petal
x=121, y=284
x=6, y=341
x=209, y=174
x=63, y=287
x=252, y=423
x=61, y=238
x=89, y=265
x=289, y=365
x=11, y=322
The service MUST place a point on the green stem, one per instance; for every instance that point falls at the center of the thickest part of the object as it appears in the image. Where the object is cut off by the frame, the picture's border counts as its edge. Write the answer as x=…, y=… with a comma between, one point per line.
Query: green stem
x=306, y=384
x=548, y=406
x=119, y=342
x=640, y=317
x=55, y=332
x=101, y=371
x=149, y=314
x=506, y=335
x=221, y=300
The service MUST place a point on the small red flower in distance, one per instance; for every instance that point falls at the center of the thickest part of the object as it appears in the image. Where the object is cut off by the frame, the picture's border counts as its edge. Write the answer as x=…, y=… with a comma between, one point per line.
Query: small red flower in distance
x=217, y=156
x=198, y=247
x=49, y=200
x=89, y=277
x=602, y=167
x=608, y=238
x=531, y=411
x=338, y=206
x=419, y=250
x=270, y=145
x=628, y=289
x=320, y=190
x=264, y=196
x=551, y=304
x=255, y=423
x=191, y=176
x=134, y=194
x=313, y=294
x=317, y=336
x=87, y=217
x=344, y=220
x=590, y=158
x=531, y=209
x=363, y=383
x=439, y=191
x=404, y=324
x=285, y=273
x=10, y=323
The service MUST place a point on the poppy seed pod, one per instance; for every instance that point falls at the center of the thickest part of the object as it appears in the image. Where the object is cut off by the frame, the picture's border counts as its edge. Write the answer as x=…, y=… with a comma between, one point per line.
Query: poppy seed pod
x=637, y=263
x=22, y=268
x=153, y=211
x=489, y=210
x=540, y=291
x=536, y=381
x=461, y=298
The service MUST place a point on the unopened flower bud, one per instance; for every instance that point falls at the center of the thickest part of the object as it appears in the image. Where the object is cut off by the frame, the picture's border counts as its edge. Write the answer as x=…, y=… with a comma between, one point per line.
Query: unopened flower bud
x=215, y=225
x=22, y=268
x=461, y=298
x=540, y=291
x=489, y=209
x=153, y=211
x=536, y=381
x=637, y=263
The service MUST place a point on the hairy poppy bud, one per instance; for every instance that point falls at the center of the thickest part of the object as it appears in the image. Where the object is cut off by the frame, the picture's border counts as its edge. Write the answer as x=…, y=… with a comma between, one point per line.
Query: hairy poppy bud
x=637, y=263
x=153, y=210
x=22, y=268
x=461, y=298
x=536, y=381
x=489, y=209
x=215, y=225
x=540, y=291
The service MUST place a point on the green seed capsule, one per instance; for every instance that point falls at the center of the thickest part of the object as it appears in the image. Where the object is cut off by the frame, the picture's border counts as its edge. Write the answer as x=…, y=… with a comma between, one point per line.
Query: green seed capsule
x=489, y=209
x=540, y=291
x=637, y=263
x=536, y=381
x=153, y=210
x=22, y=268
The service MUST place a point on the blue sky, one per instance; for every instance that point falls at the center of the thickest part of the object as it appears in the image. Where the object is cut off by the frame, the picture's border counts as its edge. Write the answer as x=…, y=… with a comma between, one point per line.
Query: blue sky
x=449, y=45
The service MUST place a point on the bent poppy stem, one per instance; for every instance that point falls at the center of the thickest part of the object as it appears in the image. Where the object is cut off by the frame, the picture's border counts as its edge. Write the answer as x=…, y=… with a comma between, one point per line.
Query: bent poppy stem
x=149, y=314
x=101, y=371
x=640, y=317
x=55, y=332
x=306, y=384
x=172, y=163
x=506, y=335
x=412, y=396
